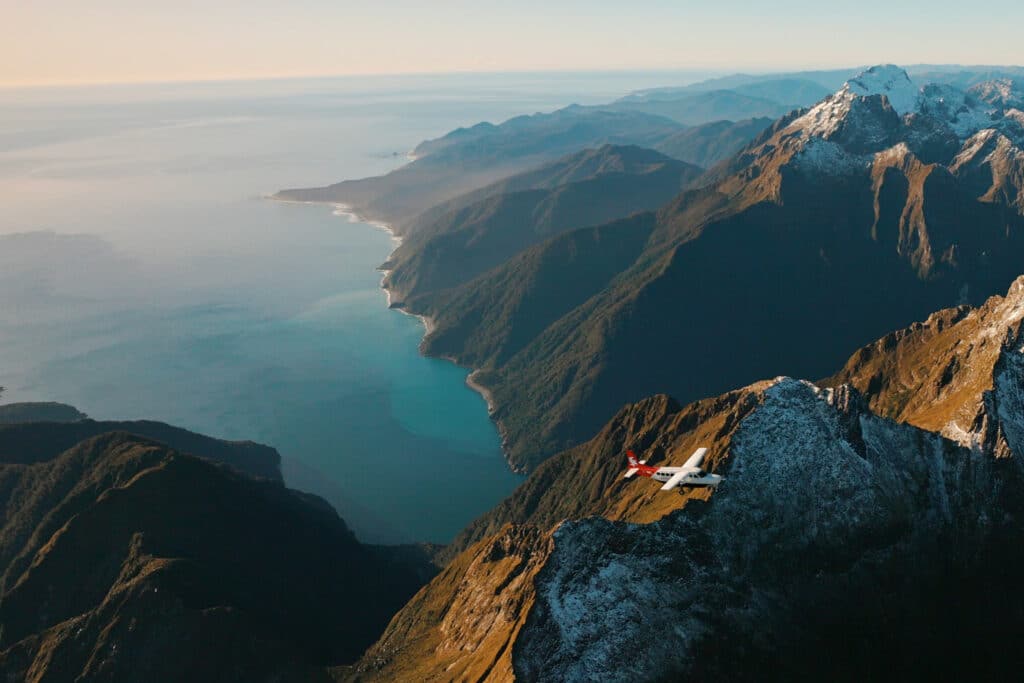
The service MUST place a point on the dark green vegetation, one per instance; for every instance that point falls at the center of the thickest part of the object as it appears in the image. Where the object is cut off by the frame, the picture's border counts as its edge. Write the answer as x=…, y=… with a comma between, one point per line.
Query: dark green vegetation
x=41, y=441
x=588, y=188
x=470, y=158
x=778, y=264
x=735, y=98
x=12, y=413
x=780, y=259
x=711, y=143
x=124, y=560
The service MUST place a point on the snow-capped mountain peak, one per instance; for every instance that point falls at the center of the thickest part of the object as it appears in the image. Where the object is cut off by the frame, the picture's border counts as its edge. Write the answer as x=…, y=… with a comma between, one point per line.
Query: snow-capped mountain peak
x=888, y=80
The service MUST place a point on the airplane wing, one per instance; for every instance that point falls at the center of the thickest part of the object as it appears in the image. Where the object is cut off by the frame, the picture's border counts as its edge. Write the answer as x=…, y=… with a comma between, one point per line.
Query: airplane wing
x=630, y=472
x=697, y=458
x=674, y=481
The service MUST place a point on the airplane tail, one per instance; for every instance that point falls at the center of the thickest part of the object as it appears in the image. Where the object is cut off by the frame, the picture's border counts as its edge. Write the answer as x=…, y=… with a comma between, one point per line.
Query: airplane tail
x=631, y=456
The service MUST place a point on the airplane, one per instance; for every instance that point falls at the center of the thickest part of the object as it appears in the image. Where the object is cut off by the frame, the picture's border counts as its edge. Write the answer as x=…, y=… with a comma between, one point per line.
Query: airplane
x=690, y=474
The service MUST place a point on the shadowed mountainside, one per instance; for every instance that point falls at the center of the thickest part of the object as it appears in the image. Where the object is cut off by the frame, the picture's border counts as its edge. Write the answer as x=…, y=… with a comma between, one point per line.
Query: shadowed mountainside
x=714, y=142
x=29, y=443
x=472, y=238
x=470, y=158
x=13, y=413
x=763, y=270
x=125, y=560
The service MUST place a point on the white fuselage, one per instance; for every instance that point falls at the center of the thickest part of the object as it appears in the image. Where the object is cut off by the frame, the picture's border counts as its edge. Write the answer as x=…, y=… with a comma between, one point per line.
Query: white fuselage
x=694, y=476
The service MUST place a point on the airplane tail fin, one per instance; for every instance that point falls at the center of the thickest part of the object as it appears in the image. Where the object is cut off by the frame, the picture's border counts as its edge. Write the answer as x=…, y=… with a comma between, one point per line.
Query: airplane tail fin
x=631, y=456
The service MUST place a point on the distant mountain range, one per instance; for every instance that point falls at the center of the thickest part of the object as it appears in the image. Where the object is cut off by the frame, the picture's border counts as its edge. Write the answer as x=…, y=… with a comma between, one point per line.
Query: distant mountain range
x=470, y=158
x=781, y=259
x=708, y=144
x=474, y=235
x=567, y=304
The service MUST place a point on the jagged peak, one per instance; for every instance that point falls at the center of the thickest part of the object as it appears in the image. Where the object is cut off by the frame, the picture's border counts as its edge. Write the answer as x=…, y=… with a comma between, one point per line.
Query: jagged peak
x=986, y=146
x=897, y=154
x=889, y=80
x=999, y=91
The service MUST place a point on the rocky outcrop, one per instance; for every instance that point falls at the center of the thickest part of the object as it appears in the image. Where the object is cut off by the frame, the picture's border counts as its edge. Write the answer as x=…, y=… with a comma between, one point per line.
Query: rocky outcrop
x=464, y=625
x=836, y=535
x=956, y=373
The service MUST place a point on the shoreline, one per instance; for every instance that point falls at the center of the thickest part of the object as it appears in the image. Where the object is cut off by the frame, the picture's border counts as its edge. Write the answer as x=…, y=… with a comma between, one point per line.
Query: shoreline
x=482, y=390
x=346, y=211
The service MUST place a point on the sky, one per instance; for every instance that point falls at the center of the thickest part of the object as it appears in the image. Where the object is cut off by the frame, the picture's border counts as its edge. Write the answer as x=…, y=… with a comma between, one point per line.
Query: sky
x=71, y=41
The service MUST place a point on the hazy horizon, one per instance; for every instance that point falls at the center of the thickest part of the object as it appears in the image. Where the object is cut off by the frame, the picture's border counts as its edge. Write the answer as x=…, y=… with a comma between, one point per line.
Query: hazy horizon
x=55, y=42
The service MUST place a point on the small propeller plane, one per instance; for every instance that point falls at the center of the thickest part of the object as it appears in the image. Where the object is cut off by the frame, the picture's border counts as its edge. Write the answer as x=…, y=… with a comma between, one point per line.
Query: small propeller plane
x=690, y=474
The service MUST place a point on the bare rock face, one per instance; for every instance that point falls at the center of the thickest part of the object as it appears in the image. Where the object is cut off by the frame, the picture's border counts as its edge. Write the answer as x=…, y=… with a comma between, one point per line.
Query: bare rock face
x=464, y=625
x=824, y=505
x=956, y=373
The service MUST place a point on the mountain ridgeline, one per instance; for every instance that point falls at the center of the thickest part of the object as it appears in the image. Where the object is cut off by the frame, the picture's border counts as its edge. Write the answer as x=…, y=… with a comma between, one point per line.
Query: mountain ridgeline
x=781, y=259
x=842, y=544
x=470, y=158
x=588, y=188
x=123, y=559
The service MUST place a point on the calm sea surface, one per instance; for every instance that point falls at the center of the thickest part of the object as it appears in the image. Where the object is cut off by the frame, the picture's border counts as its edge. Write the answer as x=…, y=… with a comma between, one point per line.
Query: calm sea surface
x=142, y=275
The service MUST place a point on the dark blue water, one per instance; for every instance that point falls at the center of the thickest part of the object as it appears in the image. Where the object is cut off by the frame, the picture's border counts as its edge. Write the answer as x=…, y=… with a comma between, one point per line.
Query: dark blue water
x=142, y=275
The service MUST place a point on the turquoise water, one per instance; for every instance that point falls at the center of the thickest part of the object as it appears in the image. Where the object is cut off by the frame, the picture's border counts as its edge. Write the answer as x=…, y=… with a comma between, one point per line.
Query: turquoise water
x=142, y=275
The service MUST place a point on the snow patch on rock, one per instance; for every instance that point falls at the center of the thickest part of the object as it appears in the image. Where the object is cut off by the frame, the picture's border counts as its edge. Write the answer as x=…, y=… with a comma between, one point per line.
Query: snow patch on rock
x=815, y=483
x=827, y=157
x=888, y=80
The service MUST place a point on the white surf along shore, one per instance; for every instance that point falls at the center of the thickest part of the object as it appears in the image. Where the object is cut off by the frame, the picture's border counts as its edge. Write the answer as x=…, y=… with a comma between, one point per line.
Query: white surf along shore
x=345, y=211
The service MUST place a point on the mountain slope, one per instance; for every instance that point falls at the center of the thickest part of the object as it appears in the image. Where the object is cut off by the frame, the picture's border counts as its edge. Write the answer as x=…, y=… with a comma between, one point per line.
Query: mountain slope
x=836, y=533
x=470, y=158
x=14, y=413
x=28, y=443
x=134, y=562
x=467, y=241
x=829, y=81
x=713, y=142
x=698, y=108
x=487, y=321
x=743, y=278
x=954, y=373
x=838, y=547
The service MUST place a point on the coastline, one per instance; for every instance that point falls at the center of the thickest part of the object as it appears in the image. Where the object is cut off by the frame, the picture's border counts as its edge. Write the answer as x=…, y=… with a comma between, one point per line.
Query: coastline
x=347, y=212
x=483, y=391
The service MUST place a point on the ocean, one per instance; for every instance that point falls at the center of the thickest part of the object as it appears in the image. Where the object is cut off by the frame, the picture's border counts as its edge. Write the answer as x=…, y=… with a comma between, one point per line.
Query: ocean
x=143, y=274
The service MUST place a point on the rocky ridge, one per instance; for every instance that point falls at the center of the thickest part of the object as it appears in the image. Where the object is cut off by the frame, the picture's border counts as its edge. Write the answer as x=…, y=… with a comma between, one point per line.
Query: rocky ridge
x=840, y=545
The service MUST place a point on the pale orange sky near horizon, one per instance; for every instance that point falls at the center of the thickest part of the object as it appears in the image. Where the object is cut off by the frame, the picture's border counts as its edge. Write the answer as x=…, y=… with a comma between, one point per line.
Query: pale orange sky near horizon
x=63, y=41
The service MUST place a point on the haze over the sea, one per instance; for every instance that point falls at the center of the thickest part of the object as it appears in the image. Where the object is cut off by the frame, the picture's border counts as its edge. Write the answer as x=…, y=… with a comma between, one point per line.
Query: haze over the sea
x=142, y=275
